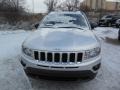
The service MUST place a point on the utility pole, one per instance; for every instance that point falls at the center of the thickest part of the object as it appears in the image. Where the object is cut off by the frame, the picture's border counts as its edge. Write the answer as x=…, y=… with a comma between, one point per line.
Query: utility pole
x=101, y=9
x=116, y=7
x=97, y=1
x=101, y=6
x=17, y=5
x=33, y=6
x=33, y=11
x=91, y=4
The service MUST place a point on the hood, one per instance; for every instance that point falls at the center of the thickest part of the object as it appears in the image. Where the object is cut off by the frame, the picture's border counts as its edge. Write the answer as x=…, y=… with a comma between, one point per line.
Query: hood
x=61, y=39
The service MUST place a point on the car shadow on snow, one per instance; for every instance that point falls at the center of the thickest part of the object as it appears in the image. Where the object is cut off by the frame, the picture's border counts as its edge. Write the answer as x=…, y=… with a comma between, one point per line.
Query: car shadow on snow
x=48, y=83
x=33, y=76
x=113, y=41
x=52, y=83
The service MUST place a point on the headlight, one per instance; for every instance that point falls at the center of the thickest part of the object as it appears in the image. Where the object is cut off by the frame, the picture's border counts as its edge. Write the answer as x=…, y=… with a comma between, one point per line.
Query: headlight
x=92, y=53
x=27, y=51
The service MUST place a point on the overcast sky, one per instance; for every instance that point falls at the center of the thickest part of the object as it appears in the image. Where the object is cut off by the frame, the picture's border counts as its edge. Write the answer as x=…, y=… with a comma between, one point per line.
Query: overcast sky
x=113, y=0
x=39, y=5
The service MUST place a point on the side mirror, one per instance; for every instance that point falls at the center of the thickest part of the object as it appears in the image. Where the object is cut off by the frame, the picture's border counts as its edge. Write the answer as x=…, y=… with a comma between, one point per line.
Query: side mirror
x=93, y=25
x=36, y=26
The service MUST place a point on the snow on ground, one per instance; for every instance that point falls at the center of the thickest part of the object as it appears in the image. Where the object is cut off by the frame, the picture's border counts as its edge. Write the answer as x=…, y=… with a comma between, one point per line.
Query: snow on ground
x=13, y=77
x=10, y=43
x=103, y=32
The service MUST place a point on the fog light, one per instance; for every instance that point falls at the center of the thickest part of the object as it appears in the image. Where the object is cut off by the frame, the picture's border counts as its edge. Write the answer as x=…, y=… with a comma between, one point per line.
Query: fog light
x=23, y=64
x=95, y=68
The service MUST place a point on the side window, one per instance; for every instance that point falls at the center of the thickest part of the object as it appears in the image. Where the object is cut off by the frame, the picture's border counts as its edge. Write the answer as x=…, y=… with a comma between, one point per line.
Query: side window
x=109, y=17
x=117, y=17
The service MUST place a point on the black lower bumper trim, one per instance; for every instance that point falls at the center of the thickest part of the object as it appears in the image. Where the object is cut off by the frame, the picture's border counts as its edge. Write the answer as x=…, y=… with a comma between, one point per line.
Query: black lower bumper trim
x=55, y=73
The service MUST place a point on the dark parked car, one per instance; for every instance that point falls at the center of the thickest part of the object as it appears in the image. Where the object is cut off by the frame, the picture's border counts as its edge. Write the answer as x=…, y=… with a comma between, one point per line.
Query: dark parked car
x=108, y=20
x=117, y=24
x=119, y=35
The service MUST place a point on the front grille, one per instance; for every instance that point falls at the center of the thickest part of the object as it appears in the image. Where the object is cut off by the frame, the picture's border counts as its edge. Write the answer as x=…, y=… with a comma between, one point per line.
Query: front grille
x=36, y=55
x=61, y=57
x=42, y=56
x=72, y=57
x=49, y=57
x=64, y=57
x=57, y=57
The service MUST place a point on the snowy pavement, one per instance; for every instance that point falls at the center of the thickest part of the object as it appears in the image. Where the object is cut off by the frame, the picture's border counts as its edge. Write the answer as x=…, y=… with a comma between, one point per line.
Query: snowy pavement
x=13, y=77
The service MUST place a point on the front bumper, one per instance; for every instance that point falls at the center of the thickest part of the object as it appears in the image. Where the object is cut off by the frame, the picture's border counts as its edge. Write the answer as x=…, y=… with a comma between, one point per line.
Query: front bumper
x=61, y=70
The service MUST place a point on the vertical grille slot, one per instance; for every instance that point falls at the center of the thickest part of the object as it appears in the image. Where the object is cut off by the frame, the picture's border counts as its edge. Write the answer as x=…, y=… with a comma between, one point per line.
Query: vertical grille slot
x=49, y=57
x=42, y=54
x=79, y=57
x=72, y=57
x=64, y=57
x=56, y=57
x=36, y=55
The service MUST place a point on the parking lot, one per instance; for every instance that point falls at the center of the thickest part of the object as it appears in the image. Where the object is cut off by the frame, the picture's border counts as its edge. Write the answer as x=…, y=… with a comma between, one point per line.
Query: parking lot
x=13, y=76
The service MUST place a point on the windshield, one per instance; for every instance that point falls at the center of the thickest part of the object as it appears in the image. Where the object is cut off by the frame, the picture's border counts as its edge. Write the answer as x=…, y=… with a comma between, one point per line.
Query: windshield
x=106, y=16
x=65, y=21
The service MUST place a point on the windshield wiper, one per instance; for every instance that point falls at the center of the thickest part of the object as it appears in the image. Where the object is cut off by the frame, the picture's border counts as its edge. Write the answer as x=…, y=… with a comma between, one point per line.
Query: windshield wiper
x=46, y=27
x=72, y=27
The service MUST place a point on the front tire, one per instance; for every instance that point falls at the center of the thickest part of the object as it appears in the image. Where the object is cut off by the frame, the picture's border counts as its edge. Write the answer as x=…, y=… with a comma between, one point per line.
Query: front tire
x=117, y=26
x=119, y=38
x=119, y=35
x=99, y=24
x=109, y=24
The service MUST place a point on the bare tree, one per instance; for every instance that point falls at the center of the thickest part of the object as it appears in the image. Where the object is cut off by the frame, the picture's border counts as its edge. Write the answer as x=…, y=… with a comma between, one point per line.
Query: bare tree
x=84, y=8
x=12, y=10
x=70, y=5
x=76, y=4
x=11, y=5
x=51, y=5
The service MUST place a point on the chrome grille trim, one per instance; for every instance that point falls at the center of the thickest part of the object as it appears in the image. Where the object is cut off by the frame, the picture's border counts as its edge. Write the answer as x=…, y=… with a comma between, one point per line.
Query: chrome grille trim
x=46, y=56
x=60, y=58
x=76, y=57
x=68, y=59
x=33, y=56
x=39, y=56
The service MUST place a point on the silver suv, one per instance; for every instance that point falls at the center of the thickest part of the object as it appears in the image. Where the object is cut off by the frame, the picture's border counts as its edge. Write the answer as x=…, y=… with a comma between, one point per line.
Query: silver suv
x=62, y=46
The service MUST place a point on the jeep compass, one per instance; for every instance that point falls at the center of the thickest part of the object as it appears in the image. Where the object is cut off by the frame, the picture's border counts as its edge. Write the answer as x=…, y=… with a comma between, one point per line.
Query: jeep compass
x=62, y=46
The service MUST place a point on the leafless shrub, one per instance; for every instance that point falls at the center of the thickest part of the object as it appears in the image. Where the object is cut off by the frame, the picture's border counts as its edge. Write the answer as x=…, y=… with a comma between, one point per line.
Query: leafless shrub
x=70, y=5
x=12, y=9
x=84, y=8
x=51, y=5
